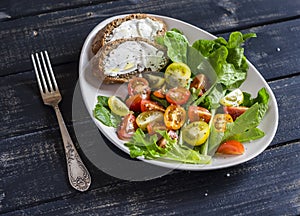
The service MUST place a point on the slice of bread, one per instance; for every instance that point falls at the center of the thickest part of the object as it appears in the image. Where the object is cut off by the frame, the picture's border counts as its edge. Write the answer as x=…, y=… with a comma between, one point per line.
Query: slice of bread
x=120, y=60
x=133, y=25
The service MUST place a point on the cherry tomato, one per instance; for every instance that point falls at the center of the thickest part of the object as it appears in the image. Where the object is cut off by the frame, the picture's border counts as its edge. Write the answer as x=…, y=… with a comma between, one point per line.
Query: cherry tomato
x=177, y=74
x=200, y=82
x=134, y=103
x=235, y=111
x=152, y=127
x=148, y=105
x=144, y=118
x=159, y=93
x=220, y=121
x=127, y=127
x=117, y=106
x=234, y=98
x=232, y=147
x=155, y=81
x=137, y=85
x=178, y=95
x=195, y=133
x=174, y=117
x=196, y=113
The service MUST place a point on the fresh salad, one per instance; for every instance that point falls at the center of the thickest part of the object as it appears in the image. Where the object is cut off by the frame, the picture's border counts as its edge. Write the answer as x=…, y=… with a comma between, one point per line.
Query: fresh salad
x=193, y=109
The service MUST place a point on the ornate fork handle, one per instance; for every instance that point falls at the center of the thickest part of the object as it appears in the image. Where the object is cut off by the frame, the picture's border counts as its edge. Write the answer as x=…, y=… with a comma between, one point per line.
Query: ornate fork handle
x=79, y=176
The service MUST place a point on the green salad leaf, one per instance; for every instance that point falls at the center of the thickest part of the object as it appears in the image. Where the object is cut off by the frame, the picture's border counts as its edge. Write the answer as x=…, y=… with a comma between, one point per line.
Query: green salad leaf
x=103, y=114
x=142, y=144
x=227, y=58
x=244, y=128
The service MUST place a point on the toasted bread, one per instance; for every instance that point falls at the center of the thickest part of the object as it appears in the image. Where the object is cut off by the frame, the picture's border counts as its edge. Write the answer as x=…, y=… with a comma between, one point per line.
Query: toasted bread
x=119, y=60
x=106, y=35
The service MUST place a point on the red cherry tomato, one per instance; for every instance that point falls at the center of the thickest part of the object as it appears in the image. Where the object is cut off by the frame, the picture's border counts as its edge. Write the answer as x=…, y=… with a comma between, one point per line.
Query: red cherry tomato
x=178, y=95
x=137, y=85
x=148, y=105
x=196, y=113
x=232, y=147
x=134, y=103
x=174, y=117
x=159, y=93
x=235, y=111
x=127, y=127
x=200, y=82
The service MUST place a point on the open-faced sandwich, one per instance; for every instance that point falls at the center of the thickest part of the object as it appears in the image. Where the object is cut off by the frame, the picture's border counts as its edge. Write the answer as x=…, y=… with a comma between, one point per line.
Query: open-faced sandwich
x=133, y=25
x=126, y=47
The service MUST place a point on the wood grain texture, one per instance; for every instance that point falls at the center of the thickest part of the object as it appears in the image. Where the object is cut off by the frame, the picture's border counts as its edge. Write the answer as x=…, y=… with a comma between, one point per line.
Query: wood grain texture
x=50, y=31
x=268, y=184
x=16, y=9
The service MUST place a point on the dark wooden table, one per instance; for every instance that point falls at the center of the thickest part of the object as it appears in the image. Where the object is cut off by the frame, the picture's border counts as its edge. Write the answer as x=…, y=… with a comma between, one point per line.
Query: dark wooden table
x=33, y=176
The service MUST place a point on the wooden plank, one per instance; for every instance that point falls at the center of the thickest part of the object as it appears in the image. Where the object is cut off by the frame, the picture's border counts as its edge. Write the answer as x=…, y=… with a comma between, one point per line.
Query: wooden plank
x=23, y=109
x=231, y=11
x=50, y=31
x=33, y=170
x=16, y=9
x=267, y=184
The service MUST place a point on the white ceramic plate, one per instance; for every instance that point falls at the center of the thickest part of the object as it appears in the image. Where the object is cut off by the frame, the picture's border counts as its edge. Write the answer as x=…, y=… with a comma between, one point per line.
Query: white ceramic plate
x=91, y=88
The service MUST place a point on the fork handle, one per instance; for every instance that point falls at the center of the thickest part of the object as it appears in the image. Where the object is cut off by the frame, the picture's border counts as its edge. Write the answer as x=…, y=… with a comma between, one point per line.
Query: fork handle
x=78, y=174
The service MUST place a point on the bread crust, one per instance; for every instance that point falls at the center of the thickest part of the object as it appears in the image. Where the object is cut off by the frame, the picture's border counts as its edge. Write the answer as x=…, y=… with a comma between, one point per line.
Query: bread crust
x=101, y=37
x=99, y=59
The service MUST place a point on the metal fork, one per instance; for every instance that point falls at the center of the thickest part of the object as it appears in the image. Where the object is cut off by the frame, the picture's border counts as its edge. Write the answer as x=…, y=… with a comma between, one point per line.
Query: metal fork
x=78, y=174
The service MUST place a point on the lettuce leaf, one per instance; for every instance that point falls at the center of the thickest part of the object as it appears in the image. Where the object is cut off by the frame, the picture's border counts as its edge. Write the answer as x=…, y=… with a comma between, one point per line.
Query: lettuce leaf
x=102, y=113
x=145, y=145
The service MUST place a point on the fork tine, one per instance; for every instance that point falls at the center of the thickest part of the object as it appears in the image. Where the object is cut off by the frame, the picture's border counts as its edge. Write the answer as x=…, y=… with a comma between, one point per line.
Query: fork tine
x=51, y=71
x=46, y=72
x=37, y=74
x=41, y=73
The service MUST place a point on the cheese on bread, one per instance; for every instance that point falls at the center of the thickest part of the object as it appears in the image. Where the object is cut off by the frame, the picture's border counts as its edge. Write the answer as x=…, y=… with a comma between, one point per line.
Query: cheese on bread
x=134, y=25
x=121, y=59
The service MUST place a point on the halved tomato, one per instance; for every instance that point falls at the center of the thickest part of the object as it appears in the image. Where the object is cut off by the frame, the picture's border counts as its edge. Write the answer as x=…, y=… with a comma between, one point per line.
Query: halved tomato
x=152, y=127
x=134, y=103
x=220, y=121
x=117, y=106
x=174, y=117
x=144, y=118
x=196, y=113
x=148, y=105
x=159, y=93
x=178, y=95
x=177, y=74
x=195, y=133
x=235, y=111
x=232, y=147
x=127, y=127
x=137, y=85
x=201, y=83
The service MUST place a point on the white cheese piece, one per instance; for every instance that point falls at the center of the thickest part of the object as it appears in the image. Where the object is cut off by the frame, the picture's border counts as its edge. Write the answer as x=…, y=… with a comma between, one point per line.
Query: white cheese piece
x=146, y=28
x=132, y=56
